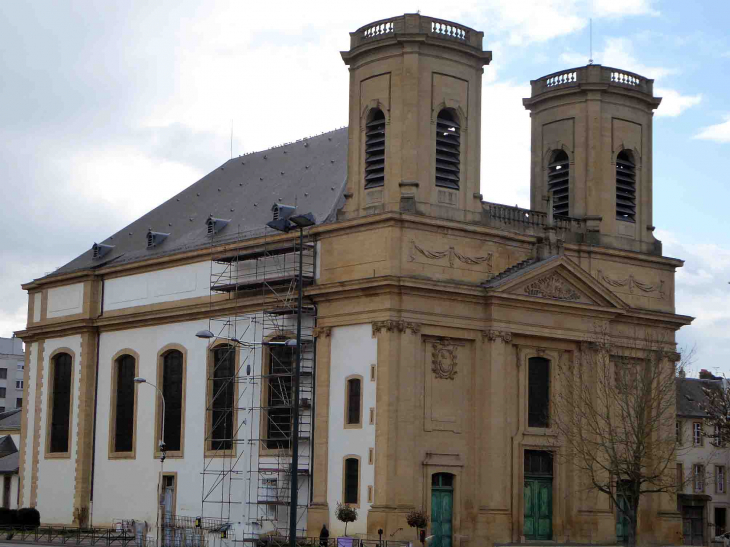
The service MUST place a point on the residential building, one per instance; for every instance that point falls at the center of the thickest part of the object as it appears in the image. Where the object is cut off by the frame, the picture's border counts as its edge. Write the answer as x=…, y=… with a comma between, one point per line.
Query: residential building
x=10, y=457
x=433, y=321
x=12, y=363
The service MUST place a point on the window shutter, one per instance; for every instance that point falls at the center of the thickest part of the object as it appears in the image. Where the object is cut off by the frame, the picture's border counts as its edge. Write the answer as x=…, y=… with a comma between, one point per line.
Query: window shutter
x=559, y=182
x=375, y=150
x=448, y=150
x=625, y=187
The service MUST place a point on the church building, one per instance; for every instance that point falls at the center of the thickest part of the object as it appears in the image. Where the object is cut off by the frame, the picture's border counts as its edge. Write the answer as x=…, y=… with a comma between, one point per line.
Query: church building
x=432, y=321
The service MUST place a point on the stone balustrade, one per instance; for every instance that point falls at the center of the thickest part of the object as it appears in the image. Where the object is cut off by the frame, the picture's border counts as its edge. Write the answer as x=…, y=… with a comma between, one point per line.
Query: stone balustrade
x=527, y=220
x=592, y=74
x=414, y=23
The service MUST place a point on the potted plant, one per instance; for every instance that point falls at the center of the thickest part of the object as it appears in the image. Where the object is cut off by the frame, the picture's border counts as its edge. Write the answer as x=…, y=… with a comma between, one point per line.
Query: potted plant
x=418, y=519
x=346, y=514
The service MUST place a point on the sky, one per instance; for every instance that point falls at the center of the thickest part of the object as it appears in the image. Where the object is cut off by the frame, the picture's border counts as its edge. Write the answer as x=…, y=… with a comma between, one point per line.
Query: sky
x=107, y=109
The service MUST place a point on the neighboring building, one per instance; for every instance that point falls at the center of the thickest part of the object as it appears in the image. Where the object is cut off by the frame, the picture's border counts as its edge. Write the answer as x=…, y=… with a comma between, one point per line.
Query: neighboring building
x=9, y=457
x=702, y=464
x=433, y=320
x=12, y=363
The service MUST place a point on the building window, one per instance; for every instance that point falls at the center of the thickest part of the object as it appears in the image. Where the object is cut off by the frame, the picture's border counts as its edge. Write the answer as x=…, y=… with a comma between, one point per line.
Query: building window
x=559, y=182
x=3, y=374
x=538, y=392
x=2, y=409
x=678, y=432
x=222, y=379
x=371, y=456
x=680, y=477
x=172, y=390
x=351, y=482
x=18, y=384
x=372, y=416
x=720, y=479
x=375, y=149
x=717, y=437
x=2, y=392
x=21, y=365
x=353, y=402
x=448, y=149
x=699, y=477
x=279, y=390
x=60, y=403
x=625, y=186
x=697, y=433
x=18, y=403
x=124, y=403
x=372, y=373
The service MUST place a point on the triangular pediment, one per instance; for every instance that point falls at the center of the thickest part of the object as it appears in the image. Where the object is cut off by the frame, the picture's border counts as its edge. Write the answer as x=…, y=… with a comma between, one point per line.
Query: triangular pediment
x=556, y=279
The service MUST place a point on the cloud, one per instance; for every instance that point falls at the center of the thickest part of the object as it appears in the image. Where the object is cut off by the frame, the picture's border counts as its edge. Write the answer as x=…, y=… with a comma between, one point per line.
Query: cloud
x=622, y=8
x=673, y=102
x=719, y=132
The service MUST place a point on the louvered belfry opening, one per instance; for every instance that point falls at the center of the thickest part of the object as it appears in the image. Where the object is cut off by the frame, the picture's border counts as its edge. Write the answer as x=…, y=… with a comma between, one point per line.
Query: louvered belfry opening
x=375, y=150
x=559, y=182
x=625, y=187
x=448, y=150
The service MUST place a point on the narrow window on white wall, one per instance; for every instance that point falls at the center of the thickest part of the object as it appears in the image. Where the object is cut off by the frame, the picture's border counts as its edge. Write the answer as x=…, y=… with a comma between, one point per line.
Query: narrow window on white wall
x=126, y=370
x=372, y=373
x=371, y=456
x=351, y=481
x=697, y=433
x=60, y=403
x=353, y=402
x=172, y=391
x=372, y=416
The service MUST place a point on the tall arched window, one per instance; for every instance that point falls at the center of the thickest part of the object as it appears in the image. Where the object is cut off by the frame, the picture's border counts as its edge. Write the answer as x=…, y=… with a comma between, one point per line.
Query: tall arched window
x=375, y=149
x=625, y=186
x=60, y=403
x=538, y=392
x=559, y=182
x=222, y=397
x=126, y=368
x=351, y=482
x=448, y=150
x=172, y=391
x=278, y=397
x=353, y=401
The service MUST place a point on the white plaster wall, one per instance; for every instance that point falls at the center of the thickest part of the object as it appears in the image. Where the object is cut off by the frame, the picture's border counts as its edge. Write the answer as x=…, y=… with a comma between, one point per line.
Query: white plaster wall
x=27, y=448
x=36, y=307
x=353, y=351
x=56, y=477
x=66, y=300
x=189, y=281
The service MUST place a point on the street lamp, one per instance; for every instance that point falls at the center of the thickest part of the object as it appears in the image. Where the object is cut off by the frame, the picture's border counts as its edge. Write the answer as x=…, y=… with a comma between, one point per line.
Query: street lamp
x=163, y=452
x=285, y=221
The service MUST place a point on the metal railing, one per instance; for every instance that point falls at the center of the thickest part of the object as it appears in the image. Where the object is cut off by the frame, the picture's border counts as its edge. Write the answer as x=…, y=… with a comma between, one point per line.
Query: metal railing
x=332, y=542
x=68, y=534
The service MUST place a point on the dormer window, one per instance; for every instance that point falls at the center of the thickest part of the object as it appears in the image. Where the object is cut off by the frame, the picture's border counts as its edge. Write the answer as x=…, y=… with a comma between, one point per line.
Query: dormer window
x=559, y=182
x=99, y=249
x=625, y=186
x=155, y=238
x=215, y=225
x=375, y=149
x=448, y=150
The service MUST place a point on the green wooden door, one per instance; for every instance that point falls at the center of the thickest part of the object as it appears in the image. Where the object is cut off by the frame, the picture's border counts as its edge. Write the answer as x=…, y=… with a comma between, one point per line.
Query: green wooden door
x=538, y=509
x=442, y=504
x=622, y=521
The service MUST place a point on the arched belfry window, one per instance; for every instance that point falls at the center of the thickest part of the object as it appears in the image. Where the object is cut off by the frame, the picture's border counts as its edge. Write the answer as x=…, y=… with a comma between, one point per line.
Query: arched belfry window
x=448, y=150
x=559, y=182
x=375, y=149
x=625, y=187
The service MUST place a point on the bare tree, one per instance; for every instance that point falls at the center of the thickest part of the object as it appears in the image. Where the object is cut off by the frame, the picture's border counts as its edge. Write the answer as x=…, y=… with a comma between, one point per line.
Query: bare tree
x=716, y=405
x=615, y=414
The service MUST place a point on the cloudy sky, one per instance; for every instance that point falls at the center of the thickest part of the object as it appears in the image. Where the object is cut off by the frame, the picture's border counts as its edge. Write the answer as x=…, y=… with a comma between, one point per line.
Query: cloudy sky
x=107, y=108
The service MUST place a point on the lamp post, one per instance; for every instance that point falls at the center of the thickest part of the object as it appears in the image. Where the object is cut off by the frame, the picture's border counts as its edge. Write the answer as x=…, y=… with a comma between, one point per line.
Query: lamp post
x=285, y=221
x=140, y=380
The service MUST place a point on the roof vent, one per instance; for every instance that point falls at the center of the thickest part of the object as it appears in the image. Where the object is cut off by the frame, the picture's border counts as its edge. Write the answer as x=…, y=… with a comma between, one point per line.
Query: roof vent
x=155, y=238
x=99, y=249
x=215, y=225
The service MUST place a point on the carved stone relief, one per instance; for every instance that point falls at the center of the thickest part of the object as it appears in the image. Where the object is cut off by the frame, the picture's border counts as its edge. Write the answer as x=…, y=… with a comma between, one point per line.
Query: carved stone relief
x=395, y=326
x=493, y=335
x=452, y=254
x=443, y=359
x=631, y=283
x=552, y=286
x=322, y=331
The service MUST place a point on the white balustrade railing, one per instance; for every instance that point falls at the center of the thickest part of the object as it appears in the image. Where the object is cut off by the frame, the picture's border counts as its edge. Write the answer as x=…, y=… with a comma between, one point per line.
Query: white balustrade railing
x=562, y=79
x=626, y=79
x=449, y=29
x=378, y=29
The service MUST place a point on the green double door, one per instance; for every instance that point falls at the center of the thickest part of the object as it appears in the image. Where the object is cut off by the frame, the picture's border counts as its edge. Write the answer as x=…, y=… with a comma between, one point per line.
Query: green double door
x=622, y=521
x=538, y=508
x=442, y=506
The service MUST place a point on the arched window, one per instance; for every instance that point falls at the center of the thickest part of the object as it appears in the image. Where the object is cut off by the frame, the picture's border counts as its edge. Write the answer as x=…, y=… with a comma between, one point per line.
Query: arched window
x=126, y=368
x=278, y=397
x=353, y=402
x=625, y=187
x=375, y=149
x=448, y=150
x=538, y=392
x=222, y=399
x=559, y=182
x=60, y=403
x=172, y=391
x=351, y=482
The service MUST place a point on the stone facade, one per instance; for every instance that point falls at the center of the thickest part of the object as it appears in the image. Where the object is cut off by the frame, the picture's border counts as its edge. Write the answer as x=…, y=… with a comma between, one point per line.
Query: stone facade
x=455, y=293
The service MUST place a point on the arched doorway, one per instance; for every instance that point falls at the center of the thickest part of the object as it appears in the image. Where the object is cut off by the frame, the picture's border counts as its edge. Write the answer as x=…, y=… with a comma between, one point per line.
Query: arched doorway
x=442, y=509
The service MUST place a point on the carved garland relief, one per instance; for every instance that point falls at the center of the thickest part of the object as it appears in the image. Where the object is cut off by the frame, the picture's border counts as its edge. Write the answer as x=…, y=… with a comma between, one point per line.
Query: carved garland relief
x=395, y=326
x=552, y=286
x=631, y=282
x=443, y=359
x=452, y=254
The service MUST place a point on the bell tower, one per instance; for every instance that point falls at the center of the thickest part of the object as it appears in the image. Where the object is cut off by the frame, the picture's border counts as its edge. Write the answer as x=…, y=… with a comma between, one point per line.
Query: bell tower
x=415, y=118
x=592, y=153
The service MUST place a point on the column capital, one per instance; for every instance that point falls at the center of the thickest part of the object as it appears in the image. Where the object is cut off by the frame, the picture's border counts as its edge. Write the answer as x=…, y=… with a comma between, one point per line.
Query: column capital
x=395, y=326
x=492, y=335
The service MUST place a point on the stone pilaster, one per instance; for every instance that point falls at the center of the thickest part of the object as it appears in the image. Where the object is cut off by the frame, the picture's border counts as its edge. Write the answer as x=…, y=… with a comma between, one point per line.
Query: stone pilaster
x=38, y=415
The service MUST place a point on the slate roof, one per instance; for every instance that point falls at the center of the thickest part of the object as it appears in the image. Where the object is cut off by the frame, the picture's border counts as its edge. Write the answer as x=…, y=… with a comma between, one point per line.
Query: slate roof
x=690, y=396
x=517, y=270
x=10, y=419
x=310, y=173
